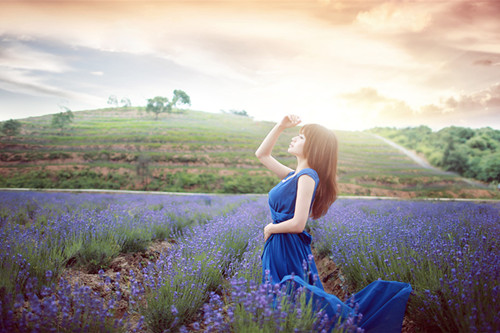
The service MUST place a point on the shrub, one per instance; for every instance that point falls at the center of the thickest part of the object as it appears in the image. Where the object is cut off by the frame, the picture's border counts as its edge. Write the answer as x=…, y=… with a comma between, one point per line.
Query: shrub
x=96, y=253
x=11, y=127
x=179, y=298
x=133, y=239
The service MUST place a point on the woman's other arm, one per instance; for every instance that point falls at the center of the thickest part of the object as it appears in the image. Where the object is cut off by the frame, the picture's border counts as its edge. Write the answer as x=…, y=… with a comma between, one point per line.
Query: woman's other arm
x=265, y=149
x=305, y=191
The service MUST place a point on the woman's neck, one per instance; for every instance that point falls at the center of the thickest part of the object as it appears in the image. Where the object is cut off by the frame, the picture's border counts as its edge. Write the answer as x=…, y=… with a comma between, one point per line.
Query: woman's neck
x=302, y=164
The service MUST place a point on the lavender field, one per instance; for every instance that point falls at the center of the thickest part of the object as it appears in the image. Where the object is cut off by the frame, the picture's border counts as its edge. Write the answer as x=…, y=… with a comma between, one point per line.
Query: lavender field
x=152, y=263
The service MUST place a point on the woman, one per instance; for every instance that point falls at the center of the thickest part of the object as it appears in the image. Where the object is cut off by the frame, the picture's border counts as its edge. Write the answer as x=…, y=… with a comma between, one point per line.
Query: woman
x=307, y=191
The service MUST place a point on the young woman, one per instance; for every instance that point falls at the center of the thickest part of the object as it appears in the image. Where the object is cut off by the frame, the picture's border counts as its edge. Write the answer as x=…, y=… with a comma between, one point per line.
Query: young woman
x=307, y=191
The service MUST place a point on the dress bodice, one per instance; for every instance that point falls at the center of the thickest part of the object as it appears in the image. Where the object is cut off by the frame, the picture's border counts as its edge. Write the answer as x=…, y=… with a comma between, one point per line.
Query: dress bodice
x=282, y=197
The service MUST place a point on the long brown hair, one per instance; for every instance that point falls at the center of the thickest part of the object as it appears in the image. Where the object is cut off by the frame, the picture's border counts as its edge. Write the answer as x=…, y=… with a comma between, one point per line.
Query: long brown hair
x=321, y=150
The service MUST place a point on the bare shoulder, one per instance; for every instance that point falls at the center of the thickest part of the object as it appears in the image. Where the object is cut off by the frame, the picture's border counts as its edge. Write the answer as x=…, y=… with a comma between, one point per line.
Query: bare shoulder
x=306, y=180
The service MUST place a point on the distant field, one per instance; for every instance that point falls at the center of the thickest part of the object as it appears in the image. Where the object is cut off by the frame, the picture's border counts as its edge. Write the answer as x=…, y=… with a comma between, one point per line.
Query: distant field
x=198, y=152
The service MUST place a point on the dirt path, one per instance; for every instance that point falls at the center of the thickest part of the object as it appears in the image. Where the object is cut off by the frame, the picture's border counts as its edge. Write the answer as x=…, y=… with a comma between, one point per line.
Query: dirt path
x=422, y=162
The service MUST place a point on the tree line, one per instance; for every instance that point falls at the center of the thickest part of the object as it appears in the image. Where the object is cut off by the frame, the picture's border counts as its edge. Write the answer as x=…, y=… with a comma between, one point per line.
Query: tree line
x=160, y=104
x=472, y=153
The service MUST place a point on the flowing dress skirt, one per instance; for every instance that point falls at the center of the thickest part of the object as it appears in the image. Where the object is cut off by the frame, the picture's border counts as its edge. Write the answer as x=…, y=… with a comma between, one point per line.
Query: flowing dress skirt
x=287, y=258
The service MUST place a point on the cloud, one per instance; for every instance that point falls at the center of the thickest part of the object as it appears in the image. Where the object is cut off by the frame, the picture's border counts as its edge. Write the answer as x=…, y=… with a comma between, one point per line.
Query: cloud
x=487, y=62
x=477, y=109
x=18, y=81
x=211, y=38
x=15, y=55
x=472, y=12
x=435, y=32
x=366, y=95
x=474, y=109
x=396, y=17
x=379, y=110
x=484, y=100
x=466, y=25
x=27, y=70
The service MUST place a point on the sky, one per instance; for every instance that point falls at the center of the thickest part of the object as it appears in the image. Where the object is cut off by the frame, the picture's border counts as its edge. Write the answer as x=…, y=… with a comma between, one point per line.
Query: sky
x=349, y=65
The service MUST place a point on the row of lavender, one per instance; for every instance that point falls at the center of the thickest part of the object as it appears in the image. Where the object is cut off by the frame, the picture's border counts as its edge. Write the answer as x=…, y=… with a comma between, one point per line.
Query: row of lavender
x=448, y=251
x=210, y=279
x=40, y=232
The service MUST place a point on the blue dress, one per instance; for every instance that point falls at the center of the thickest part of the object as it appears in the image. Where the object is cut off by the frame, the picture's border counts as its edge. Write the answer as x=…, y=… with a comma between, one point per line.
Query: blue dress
x=286, y=254
x=287, y=258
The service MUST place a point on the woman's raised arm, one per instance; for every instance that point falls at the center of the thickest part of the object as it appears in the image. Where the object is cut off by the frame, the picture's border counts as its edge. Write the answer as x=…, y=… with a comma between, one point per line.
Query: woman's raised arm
x=265, y=149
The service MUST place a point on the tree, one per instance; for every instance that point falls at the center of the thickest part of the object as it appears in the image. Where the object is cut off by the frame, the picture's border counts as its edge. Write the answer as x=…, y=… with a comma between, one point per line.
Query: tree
x=125, y=102
x=490, y=168
x=11, y=127
x=455, y=159
x=239, y=113
x=180, y=97
x=478, y=142
x=62, y=119
x=161, y=104
x=158, y=105
x=113, y=101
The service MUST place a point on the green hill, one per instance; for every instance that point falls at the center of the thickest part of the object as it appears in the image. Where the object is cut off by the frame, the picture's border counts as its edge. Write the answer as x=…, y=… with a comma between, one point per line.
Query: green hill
x=197, y=152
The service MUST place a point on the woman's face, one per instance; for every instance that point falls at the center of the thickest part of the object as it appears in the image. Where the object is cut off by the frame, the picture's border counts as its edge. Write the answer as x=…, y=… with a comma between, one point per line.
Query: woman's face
x=297, y=145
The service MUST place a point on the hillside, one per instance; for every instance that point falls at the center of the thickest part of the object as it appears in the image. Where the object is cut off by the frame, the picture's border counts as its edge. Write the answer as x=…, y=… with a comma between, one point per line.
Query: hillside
x=198, y=152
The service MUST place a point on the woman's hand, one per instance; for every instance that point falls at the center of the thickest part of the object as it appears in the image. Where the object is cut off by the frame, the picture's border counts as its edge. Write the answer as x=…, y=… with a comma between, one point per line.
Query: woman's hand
x=289, y=121
x=267, y=231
